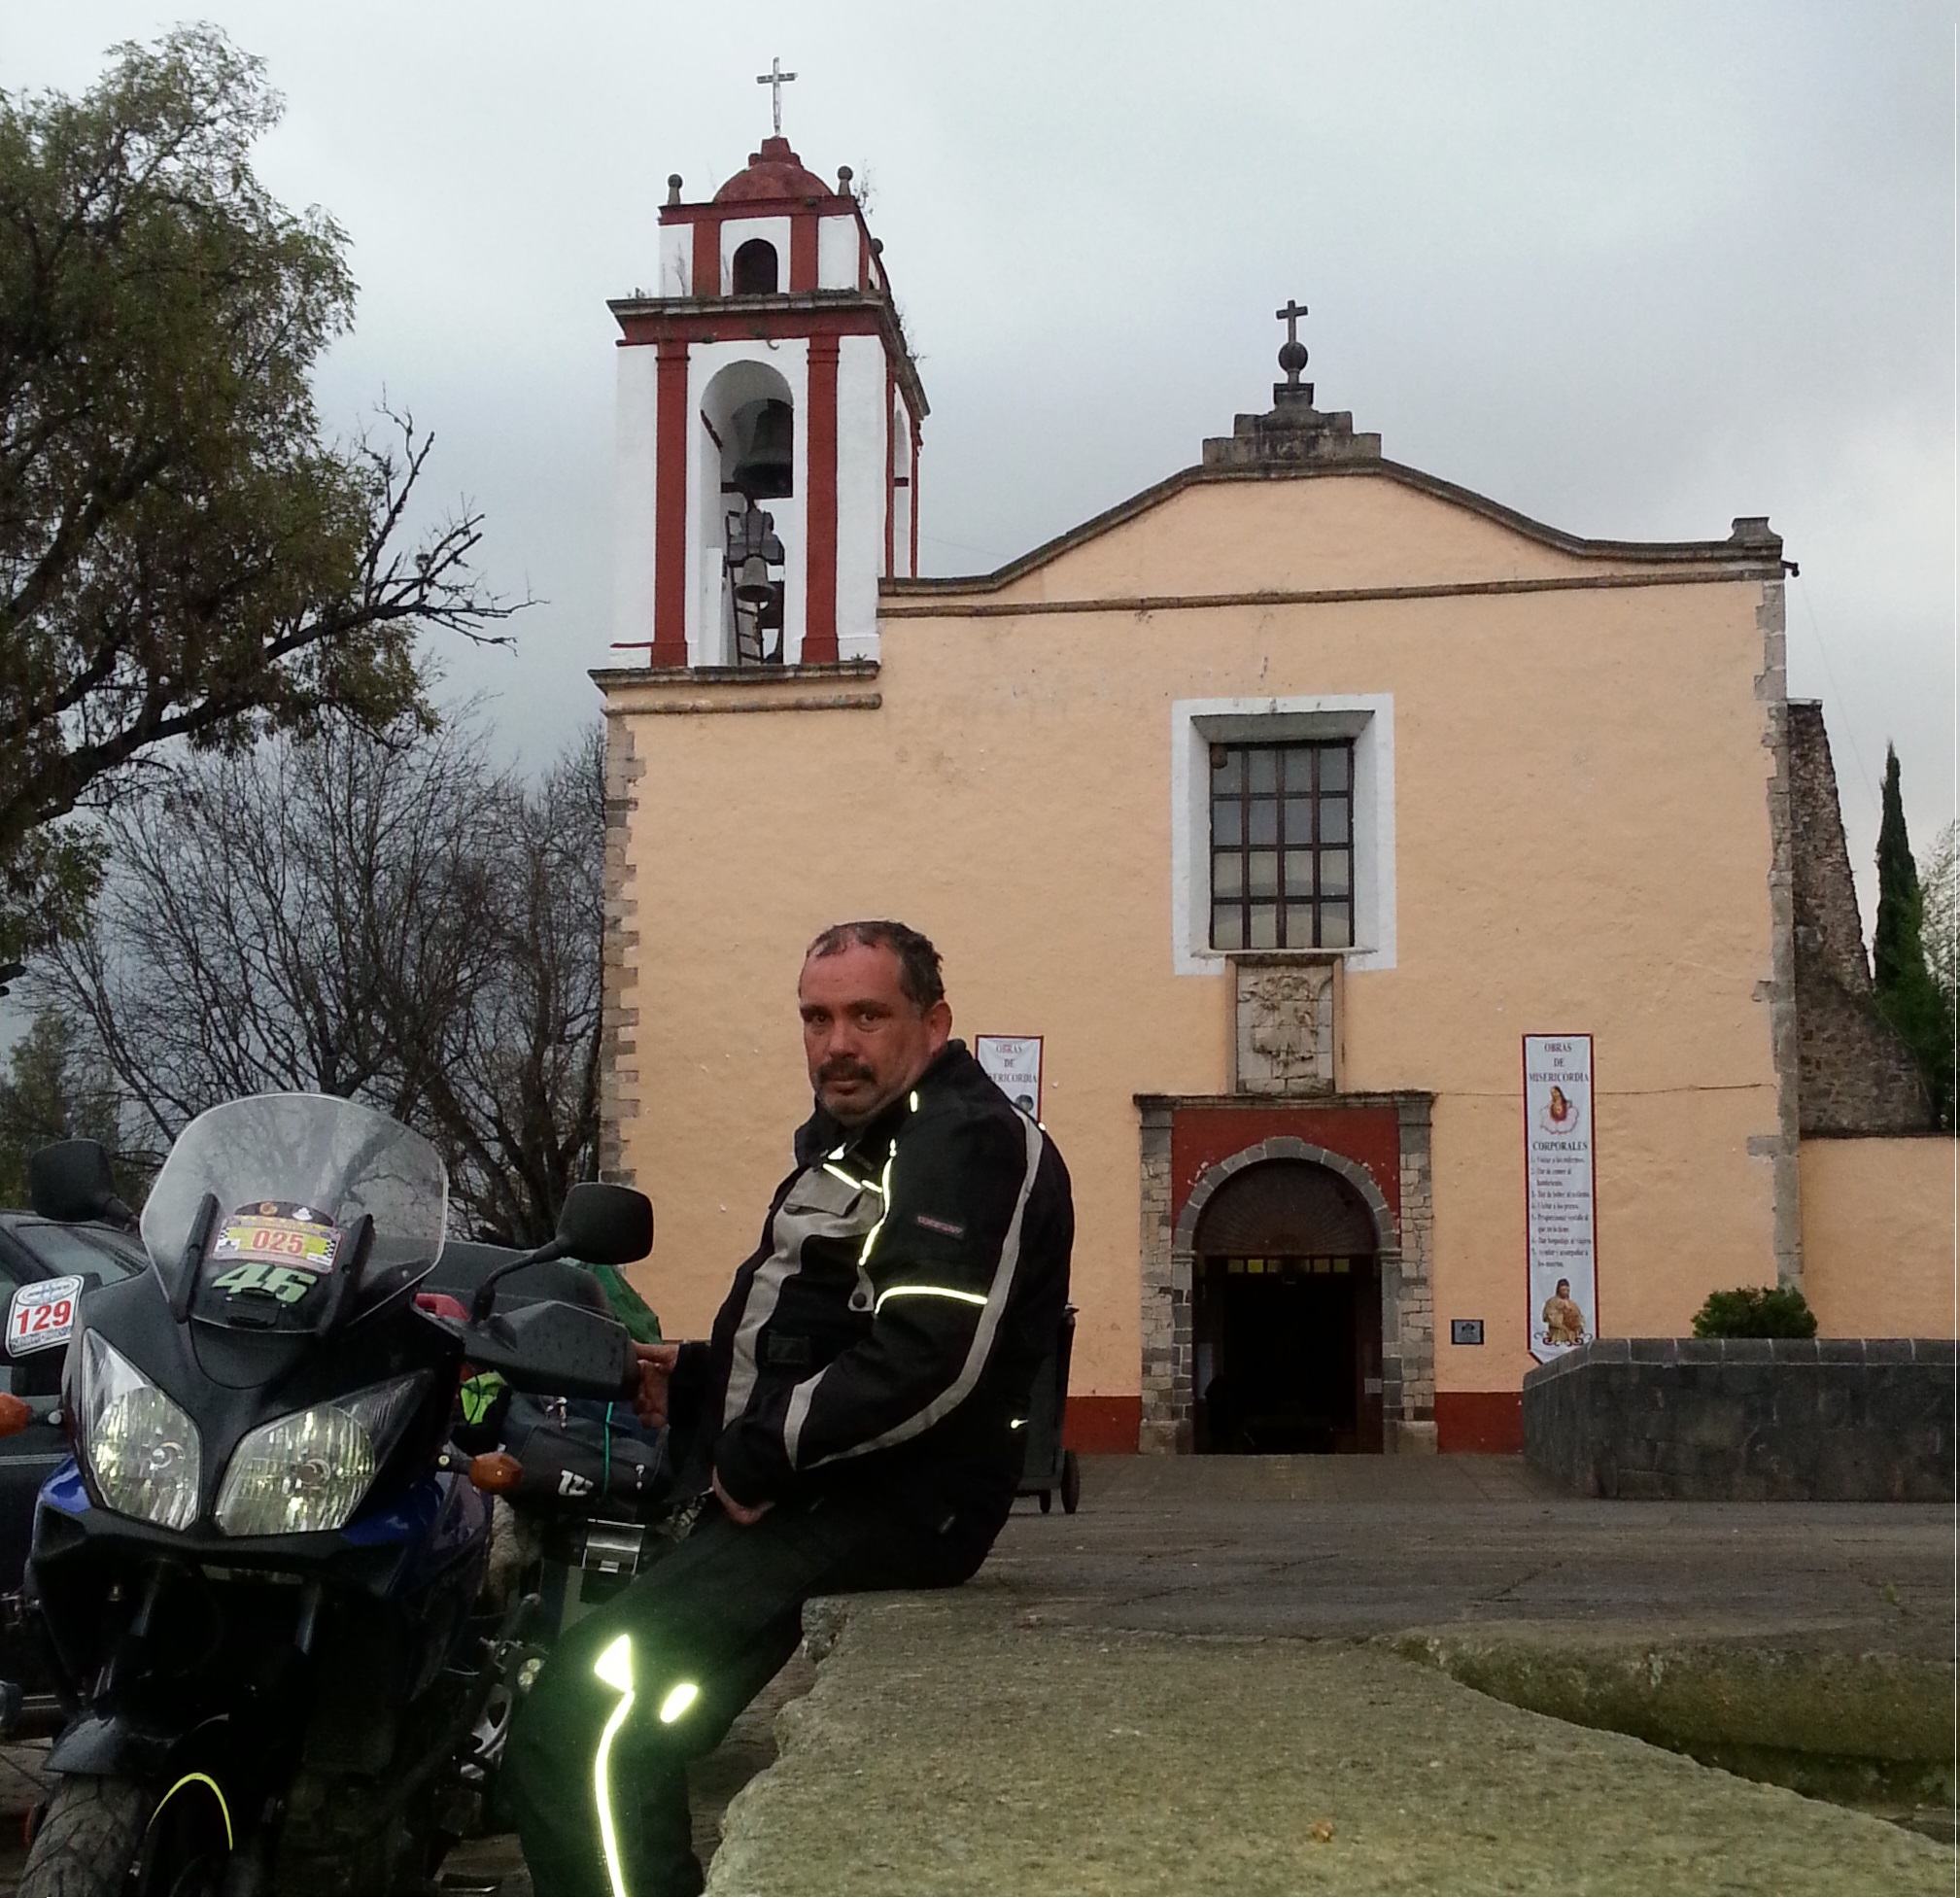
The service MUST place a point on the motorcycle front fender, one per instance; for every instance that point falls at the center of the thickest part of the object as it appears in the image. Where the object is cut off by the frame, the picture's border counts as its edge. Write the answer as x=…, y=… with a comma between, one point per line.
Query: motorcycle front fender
x=109, y=1746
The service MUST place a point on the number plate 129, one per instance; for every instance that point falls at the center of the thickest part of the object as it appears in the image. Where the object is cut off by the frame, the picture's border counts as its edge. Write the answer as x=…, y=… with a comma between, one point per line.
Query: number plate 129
x=42, y=1316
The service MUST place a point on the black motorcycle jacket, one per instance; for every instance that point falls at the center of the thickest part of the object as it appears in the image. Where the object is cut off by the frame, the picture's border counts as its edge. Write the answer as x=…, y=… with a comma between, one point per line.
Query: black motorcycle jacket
x=910, y=1279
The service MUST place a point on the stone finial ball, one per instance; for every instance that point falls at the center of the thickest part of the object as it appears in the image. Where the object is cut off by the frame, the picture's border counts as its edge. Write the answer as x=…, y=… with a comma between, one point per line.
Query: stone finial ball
x=1292, y=357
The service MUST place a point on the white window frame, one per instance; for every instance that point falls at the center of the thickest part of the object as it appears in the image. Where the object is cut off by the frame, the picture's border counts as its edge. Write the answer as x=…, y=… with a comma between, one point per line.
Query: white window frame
x=1369, y=719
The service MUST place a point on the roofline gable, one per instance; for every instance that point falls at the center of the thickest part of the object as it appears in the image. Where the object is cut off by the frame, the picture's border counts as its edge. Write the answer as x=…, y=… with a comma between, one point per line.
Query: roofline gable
x=1750, y=544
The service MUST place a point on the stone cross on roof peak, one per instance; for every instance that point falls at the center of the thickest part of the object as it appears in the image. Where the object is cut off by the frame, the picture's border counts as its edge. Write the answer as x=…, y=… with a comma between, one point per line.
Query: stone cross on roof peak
x=1292, y=354
x=775, y=78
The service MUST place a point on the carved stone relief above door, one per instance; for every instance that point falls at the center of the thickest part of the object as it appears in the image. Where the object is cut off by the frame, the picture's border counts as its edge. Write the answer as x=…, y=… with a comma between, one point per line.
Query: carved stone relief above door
x=1285, y=1036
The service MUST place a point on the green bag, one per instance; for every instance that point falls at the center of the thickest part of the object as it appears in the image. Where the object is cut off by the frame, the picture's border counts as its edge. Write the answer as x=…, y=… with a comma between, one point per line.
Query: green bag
x=628, y=1306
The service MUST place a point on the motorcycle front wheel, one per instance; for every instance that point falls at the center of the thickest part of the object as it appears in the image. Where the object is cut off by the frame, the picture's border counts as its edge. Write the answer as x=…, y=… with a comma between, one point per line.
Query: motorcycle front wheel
x=105, y=1835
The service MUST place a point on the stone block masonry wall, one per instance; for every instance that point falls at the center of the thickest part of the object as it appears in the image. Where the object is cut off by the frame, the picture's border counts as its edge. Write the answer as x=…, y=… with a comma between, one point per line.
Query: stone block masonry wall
x=619, y=1066
x=1771, y=1420
x=1780, y=993
x=1855, y=1074
x=1166, y=1426
x=1408, y=1302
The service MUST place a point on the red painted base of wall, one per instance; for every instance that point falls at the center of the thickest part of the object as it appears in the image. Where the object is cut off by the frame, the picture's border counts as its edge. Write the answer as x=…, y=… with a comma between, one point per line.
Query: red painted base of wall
x=1487, y=1421
x=1491, y=1423
x=1103, y=1427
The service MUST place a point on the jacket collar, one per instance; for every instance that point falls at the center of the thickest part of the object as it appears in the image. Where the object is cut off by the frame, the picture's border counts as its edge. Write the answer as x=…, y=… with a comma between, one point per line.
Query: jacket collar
x=821, y=1132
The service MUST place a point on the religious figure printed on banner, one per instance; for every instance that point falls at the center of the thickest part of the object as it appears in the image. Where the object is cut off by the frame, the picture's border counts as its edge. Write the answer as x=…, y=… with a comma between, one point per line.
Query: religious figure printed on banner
x=1559, y=1113
x=1564, y=1323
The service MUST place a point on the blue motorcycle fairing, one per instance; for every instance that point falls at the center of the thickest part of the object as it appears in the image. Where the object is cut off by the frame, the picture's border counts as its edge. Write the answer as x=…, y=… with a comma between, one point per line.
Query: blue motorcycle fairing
x=444, y=1517
x=66, y=1491
x=440, y=1520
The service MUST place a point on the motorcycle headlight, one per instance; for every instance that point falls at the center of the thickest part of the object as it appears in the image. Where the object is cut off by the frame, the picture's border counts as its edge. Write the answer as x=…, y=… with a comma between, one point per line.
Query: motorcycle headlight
x=141, y=1448
x=309, y=1471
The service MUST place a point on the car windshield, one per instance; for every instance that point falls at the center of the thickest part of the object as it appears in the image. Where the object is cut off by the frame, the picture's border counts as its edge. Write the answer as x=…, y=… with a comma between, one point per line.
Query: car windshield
x=61, y=1249
x=296, y=1174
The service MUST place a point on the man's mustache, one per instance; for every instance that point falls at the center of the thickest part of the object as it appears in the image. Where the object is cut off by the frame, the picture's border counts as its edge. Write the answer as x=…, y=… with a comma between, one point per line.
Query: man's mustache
x=844, y=1068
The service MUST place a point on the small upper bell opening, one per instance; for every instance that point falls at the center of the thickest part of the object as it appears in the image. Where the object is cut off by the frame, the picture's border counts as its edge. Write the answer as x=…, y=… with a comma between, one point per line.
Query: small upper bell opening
x=757, y=271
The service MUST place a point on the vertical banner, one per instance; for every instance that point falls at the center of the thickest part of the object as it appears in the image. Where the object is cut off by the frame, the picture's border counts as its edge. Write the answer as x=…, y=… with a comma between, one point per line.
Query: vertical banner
x=1014, y=1064
x=1562, y=1268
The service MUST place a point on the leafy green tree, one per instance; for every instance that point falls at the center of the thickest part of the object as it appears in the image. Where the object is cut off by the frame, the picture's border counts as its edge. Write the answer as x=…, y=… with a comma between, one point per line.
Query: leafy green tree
x=55, y=1090
x=182, y=554
x=1907, y=995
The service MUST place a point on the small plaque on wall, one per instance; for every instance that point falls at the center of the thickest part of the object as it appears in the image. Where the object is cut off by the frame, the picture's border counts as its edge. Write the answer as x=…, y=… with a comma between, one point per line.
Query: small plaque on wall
x=1466, y=1331
x=1014, y=1064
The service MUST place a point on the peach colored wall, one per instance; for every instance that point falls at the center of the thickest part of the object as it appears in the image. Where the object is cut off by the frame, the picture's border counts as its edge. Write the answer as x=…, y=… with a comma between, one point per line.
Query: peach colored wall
x=1878, y=1236
x=1582, y=845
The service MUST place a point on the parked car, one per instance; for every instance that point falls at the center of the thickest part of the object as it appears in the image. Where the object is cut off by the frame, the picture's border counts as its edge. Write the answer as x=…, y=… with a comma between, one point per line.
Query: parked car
x=34, y=1248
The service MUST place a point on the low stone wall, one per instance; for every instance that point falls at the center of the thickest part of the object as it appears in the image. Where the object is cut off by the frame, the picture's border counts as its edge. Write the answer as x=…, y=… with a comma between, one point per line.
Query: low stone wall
x=1784, y=1420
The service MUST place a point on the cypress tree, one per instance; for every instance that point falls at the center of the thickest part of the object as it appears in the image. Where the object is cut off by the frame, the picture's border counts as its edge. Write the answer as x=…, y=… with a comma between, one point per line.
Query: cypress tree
x=1908, y=996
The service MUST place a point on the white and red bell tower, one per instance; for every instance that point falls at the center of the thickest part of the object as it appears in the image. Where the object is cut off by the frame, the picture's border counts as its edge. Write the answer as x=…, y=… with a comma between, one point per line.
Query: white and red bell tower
x=769, y=414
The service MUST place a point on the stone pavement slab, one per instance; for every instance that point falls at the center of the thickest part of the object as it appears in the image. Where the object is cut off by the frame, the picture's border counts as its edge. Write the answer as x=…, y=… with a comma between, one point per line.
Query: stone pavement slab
x=1321, y=1546
x=954, y=1742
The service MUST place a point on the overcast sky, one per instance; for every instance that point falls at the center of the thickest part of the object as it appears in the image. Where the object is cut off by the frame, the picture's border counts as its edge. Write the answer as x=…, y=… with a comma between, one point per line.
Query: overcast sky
x=1634, y=270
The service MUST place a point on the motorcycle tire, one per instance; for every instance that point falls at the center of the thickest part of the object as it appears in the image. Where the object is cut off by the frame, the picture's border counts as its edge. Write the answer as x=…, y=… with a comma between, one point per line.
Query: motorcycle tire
x=88, y=1839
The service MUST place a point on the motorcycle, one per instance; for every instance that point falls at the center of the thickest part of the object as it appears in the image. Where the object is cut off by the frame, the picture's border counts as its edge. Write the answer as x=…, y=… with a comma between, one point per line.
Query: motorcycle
x=261, y=1578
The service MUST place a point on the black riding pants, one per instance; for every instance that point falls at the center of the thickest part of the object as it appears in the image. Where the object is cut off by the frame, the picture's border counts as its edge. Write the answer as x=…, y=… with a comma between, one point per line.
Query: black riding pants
x=719, y=1616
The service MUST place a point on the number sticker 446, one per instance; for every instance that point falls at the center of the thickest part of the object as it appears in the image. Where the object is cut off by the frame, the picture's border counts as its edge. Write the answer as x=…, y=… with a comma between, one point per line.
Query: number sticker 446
x=280, y=1282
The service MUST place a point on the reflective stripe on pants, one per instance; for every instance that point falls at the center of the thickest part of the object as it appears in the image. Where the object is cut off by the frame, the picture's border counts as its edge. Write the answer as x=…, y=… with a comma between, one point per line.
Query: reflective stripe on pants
x=722, y=1612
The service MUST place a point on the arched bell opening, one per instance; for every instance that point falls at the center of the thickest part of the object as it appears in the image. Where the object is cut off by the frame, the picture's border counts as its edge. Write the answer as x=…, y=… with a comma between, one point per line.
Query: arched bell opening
x=1287, y=1315
x=748, y=416
x=755, y=272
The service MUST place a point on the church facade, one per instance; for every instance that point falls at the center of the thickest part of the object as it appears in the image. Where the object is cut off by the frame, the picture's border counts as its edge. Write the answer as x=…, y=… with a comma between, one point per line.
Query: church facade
x=1296, y=806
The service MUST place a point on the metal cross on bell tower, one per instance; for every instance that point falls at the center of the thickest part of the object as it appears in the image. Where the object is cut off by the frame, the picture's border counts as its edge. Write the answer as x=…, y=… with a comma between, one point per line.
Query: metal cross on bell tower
x=1292, y=357
x=775, y=78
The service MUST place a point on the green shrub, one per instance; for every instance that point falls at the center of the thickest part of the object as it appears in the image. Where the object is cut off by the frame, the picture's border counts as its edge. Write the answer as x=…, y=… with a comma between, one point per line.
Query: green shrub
x=1754, y=1311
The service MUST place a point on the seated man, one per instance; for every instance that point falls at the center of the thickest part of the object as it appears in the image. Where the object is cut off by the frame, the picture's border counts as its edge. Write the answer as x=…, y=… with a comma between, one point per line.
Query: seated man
x=851, y=1419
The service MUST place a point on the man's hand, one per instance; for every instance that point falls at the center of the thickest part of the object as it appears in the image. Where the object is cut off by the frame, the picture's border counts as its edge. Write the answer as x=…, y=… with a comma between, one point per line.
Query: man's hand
x=656, y=1367
x=739, y=1512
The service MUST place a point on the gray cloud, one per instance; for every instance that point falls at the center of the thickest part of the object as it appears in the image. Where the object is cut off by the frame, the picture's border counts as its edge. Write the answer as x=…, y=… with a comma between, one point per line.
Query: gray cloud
x=1632, y=270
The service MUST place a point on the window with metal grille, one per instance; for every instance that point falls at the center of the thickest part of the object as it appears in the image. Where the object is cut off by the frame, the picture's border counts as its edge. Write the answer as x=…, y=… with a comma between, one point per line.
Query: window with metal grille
x=1283, y=856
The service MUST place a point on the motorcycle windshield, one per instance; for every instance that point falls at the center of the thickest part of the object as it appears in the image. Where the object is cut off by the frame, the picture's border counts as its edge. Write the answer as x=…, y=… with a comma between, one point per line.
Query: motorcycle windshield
x=275, y=1188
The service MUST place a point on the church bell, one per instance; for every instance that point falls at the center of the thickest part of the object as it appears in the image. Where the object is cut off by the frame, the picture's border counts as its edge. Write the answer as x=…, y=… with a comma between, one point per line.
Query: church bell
x=764, y=432
x=753, y=548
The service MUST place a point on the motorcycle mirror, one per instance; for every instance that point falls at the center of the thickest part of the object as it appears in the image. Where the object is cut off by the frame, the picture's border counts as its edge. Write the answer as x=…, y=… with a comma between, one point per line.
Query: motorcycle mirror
x=605, y=1225
x=601, y=1224
x=71, y=1180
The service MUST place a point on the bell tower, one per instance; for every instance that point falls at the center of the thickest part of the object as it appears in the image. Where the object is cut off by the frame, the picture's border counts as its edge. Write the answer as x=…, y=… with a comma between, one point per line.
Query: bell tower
x=769, y=416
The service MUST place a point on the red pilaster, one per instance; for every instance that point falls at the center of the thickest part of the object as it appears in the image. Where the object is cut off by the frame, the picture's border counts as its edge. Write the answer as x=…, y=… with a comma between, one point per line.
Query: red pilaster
x=707, y=256
x=890, y=476
x=819, y=635
x=670, y=502
x=912, y=494
x=802, y=251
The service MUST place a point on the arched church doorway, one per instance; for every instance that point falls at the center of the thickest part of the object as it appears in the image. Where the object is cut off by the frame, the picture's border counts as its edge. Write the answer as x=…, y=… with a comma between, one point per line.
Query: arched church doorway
x=1287, y=1315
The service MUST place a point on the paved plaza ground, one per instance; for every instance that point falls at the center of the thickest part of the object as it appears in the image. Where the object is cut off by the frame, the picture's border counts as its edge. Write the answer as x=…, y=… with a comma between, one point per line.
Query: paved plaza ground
x=1212, y=1679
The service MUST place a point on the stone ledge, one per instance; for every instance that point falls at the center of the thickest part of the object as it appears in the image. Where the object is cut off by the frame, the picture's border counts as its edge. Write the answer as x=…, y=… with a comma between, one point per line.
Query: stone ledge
x=1748, y=1351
